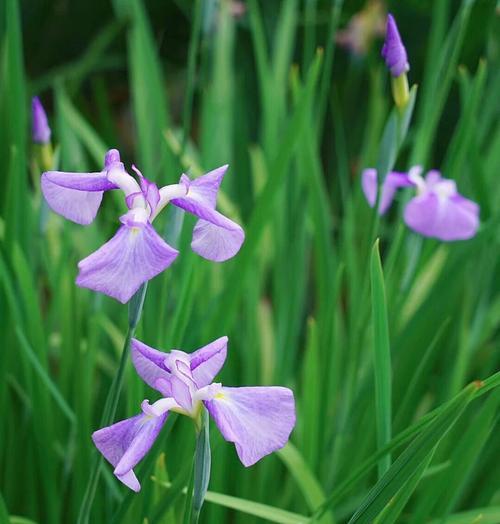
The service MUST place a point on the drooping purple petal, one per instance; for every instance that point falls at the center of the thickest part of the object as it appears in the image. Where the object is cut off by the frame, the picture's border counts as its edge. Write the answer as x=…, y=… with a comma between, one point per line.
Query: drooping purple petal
x=92, y=182
x=446, y=218
x=392, y=182
x=393, y=51
x=75, y=196
x=40, y=126
x=217, y=241
x=205, y=188
x=258, y=420
x=215, y=237
x=207, y=361
x=150, y=366
x=125, y=443
x=133, y=256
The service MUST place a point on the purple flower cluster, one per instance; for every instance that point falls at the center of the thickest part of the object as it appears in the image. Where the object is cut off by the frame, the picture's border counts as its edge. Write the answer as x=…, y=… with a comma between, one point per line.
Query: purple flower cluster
x=137, y=253
x=437, y=210
x=258, y=420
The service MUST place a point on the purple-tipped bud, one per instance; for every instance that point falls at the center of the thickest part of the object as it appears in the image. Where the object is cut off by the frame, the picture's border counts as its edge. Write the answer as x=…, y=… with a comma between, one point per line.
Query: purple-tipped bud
x=40, y=130
x=394, y=51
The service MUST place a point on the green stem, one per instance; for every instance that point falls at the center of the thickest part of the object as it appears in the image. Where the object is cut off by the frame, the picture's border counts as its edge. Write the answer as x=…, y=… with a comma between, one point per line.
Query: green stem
x=135, y=309
x=200, y=475
x=191, y=71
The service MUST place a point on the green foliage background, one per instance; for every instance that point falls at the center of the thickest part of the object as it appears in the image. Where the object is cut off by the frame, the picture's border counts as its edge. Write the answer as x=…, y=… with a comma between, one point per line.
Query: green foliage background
x=369, y=336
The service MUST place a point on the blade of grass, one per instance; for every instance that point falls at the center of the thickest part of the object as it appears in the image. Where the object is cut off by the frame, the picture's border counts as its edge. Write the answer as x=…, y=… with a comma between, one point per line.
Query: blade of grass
x=381, y=358
x=488, y=515
x=411, y=458
x=44, y=376
x=269, y=513
x=309, y=486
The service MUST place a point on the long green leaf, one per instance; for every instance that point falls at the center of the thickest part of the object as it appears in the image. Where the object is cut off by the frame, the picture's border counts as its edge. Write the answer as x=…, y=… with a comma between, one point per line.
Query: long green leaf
x=381, y=358
x=411, y=458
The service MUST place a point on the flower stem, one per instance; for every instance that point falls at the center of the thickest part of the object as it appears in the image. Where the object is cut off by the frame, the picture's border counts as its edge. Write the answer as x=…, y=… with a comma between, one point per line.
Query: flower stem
x=200, y=476
x=135, y=309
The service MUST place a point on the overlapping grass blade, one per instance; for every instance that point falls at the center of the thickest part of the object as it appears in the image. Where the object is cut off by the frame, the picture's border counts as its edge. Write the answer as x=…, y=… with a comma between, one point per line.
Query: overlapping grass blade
x=412, y=457
x=381, y=358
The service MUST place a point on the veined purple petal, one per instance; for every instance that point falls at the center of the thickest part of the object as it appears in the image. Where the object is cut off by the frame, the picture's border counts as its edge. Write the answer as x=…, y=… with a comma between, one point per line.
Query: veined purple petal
x=394, y=51
x=125, y=443
x=205, y=188
x=258, y=420
x=207, y=361
x=133, y=256
x=150, y=366
x=392, y=182
x=40, y=126
x=215, y=237
x=217, y=241
x=446, y=218
x=97, y=181
x=75, y=196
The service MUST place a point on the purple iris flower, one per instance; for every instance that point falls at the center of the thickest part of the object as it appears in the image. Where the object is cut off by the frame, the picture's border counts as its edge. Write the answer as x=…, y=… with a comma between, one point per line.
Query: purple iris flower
x=40, y=126
x=392, y=182
x=258, y=420
x=437, y=211
x=393, y=51
x=137, y=253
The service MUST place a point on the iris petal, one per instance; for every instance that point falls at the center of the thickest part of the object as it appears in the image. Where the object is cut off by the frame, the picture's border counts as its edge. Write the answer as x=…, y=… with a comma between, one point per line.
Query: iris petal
x=75, y=196
x=119, y=267
x=393, y=181
x=448, y=219
x=207, y=361
x=215, y=237
x=125, y=443
x=150, y=366
x=258, y=420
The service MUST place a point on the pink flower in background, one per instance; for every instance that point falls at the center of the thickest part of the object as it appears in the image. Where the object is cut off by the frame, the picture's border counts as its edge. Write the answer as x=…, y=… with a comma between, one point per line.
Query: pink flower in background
x=363, y=28
x=438, y=210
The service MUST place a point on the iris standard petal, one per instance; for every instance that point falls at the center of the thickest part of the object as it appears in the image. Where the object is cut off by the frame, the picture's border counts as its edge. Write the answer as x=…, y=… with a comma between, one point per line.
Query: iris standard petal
x=258, y=420
x=205, y=188
x=133, y=256
x=393, y=181
x=215, y=236
x=207, y=361
x=125, y=443
x=75, y=196
x=150, y=366
x=445, y=218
